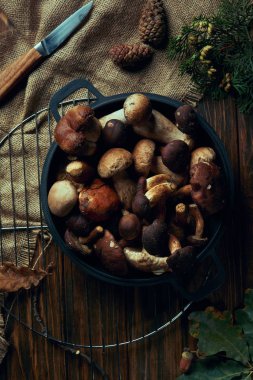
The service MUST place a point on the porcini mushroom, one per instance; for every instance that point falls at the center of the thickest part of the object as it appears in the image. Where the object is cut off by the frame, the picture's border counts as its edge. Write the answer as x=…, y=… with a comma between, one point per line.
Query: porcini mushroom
x=186, y=119
x=73, y=242
x=176, y=156
x=77, y=131
x=205, y=154
x=92, y=236
x=158, y=167
x=207, y=187
x=158, y=192
x=143, y=154
x=140, y=204
x=129, y=226
x=114, y=134
x=155, y=238
x=98, y=201
x=140, y=259
x=125, y=188
x=113, y=162
x=181, y=214
x=197, y=239
x=180, y=261
x=79, y=172
x=137, y=108
x=62, y=198
x=182, y=258
x=110, y=254
x=78, y=224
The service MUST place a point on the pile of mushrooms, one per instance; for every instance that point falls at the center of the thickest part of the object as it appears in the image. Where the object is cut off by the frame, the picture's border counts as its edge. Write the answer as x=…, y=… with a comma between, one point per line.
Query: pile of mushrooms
x=136, y=188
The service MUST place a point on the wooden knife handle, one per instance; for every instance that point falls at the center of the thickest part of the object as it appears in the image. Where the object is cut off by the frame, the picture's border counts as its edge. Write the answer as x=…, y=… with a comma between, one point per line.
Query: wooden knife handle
x=17, y=70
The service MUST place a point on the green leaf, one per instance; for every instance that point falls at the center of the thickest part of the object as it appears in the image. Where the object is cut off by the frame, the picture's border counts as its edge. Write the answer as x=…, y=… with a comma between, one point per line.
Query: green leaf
x=216, y=333
x=214, y=368
x=244, y=317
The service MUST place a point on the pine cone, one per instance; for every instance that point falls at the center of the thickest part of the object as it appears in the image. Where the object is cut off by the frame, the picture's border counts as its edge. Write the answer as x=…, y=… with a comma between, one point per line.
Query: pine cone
x=132, y=56
x=152, y=24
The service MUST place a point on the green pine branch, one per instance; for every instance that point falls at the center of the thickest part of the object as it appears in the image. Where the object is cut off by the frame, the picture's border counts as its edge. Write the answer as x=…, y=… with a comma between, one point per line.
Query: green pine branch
x=217, y=52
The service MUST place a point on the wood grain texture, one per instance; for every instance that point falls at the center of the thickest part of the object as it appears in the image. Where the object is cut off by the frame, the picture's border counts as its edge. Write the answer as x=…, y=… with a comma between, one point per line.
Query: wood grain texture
x=116, y=314
x=17, y=71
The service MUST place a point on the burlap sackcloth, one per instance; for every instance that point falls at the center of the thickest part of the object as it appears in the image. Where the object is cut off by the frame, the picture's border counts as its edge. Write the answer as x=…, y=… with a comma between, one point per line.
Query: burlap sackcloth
x=84, y=55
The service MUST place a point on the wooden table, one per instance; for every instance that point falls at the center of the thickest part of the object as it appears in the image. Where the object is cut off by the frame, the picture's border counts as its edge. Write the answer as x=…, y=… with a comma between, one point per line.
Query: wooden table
x=33, y=357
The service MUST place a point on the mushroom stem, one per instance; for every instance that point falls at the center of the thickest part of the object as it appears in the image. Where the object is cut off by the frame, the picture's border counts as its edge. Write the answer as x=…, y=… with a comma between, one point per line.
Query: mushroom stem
x=142, y=260
x=181, y=214
x=140, y=204
x=73, y=241
x=158, y=192
x=93, y=235
x=183, y=192
x=197, y=238
x=174, y=244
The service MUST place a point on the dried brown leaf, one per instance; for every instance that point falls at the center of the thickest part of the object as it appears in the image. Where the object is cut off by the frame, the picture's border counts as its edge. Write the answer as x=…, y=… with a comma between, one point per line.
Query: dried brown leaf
x=13, y=278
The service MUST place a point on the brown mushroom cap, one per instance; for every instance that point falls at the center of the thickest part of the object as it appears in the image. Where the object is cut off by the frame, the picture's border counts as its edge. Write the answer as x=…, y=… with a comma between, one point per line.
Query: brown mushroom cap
x=143, y=154
x=176, y=156
x=79, y=171
x=114, y=161
x=78, y=131
x=62, y=198
x=206, y=154
x=129, y=226
x=137, y=107
x=114, y=134
x=186, y=120
x=99, y=201
x=207, y=187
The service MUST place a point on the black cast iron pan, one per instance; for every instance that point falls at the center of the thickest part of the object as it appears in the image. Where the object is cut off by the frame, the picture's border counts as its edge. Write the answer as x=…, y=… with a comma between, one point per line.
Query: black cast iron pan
x=215, y=224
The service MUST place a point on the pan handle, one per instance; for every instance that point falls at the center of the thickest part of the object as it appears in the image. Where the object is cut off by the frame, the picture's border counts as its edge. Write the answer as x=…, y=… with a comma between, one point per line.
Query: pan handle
x=210, y=284
x=69, y=89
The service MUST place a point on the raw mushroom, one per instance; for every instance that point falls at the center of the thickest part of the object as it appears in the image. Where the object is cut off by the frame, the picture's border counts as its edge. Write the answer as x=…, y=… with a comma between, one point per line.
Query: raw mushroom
x=159, y=192
x=113, y=162
x=110, y=254
x=92, y=236
x=197, y=239
x=176, y=156
x=182, y=214
x=140, y=204
x=77, y=131
x=205, y=154
x=78, y=224
x=137, y=108
x=115, y=133
x=129, y=226
x=183, y=192
x=116, y=115
x=152, y=125
x=155, y=238
x=125, y=188
x=182, y=258
x=157, y=180
x=73, y=242
x=143, y=154
x=140, y=259
x=186, y=119
x=62, y=198
x=207, y=187
x=79, y=172
x=158, y=167
x=99, y=201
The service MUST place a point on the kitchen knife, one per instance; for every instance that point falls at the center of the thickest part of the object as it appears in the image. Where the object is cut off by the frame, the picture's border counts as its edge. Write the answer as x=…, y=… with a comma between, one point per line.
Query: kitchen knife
x=24, y=64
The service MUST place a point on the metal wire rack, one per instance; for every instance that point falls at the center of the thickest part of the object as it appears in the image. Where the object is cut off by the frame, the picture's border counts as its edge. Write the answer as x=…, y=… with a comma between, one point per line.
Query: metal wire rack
x=68, y=300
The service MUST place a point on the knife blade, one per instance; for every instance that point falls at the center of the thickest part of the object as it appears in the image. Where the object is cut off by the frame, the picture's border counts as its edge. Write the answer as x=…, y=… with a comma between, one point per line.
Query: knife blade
x=24, y=64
